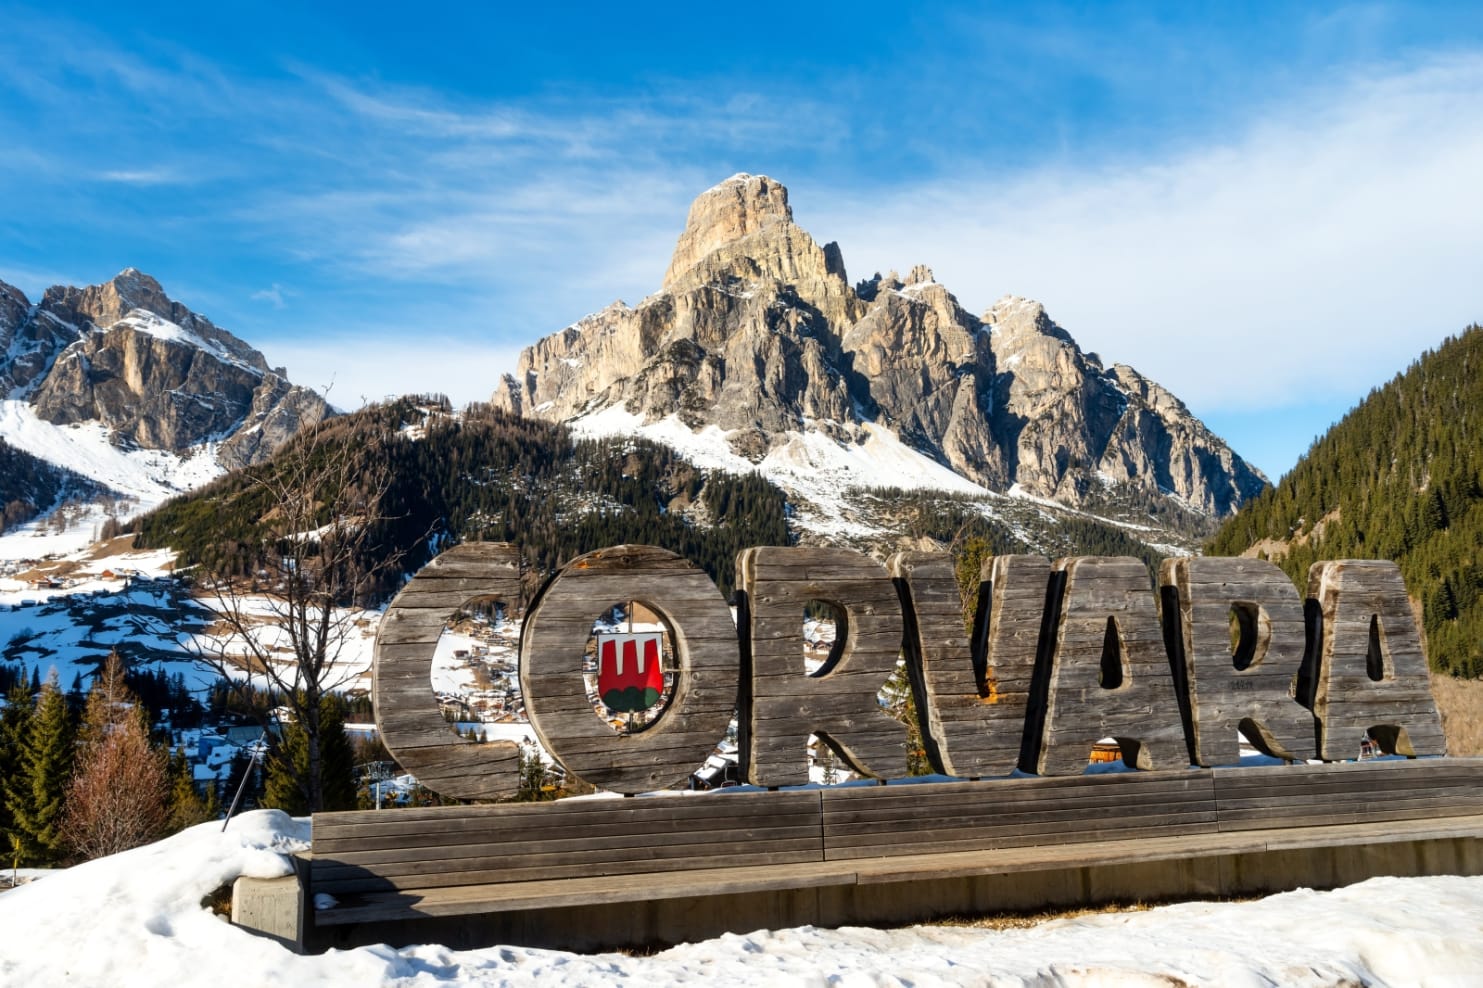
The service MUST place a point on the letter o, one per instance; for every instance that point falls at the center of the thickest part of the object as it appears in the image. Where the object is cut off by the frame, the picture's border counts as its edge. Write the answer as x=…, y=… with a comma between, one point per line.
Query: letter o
x=707, y=655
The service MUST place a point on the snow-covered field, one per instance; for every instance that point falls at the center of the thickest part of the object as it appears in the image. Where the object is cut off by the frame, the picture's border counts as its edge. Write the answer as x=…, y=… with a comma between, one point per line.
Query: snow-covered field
x=136, y=919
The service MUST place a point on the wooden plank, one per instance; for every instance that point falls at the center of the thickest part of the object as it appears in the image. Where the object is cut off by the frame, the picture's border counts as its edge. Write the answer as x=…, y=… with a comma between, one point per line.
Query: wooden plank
x=661, y=813
x=496, y=870
x=676, y=829
x=407, y=715
x=901, y=821
x=901, y=838
x=1108, y=612
x=1368, y=773
x=574, y=840
x=706, y=654
x=1371, y=663
x=362, y=850
x=946, y=817
x=973, y=702
x=432, y=859
x=783, y=703
x=463, y=900
x=1012, y=861
x=1058, y=837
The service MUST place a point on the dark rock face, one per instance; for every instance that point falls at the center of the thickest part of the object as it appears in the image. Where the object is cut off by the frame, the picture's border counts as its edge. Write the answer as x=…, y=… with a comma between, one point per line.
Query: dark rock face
x=756, y=330
x=156, y=374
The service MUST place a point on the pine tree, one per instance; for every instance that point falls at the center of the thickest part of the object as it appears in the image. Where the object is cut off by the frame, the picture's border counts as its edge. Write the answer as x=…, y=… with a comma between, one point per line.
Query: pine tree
x=14, y=722
x=187, y=806
x=118, y=796
x=288, y=764
x=38, y=793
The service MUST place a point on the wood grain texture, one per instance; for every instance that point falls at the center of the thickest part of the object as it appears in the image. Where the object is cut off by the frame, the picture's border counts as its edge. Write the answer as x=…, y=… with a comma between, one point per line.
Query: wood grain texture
x=1368, y=626
x=1142, y=712
x=1372, y=792
x=707, y=660
x=1018, y=812
x=468, y=845
x=1260, y=700
x=784, y=704
x=407, y=715
x=455, y=860
x=972, y=706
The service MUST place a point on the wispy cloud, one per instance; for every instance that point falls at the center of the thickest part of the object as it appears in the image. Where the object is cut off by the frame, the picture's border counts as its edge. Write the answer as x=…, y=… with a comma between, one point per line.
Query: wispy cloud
x=374, y=366
x=1289, y=245
x=273, y=295
x=1311, y=254
x=160, y=175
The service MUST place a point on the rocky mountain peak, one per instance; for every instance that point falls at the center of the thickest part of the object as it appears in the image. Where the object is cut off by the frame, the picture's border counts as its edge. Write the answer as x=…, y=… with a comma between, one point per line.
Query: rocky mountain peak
x=741, y=232
x=756, y=332
x=920, y=275
x=156, y=374
x=13, y=309
x=105, y=304
x=1014, y=316
x=742, y=206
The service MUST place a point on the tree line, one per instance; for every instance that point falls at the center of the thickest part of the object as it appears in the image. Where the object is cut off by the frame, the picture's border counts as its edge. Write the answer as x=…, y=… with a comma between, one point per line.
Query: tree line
x=30, y=485
x=81, y=784
x=490, y=476
x=1399, y=477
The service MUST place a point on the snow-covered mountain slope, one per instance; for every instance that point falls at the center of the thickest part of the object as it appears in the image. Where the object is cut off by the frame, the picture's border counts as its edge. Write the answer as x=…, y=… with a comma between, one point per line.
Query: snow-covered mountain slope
x=124, y=386
x=88, y=448
x=849, y=492
x=817, y=472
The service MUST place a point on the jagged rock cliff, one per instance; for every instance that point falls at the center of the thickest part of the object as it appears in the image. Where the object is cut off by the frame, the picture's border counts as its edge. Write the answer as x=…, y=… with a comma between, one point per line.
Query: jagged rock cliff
x=156, y=374
x=756, y=330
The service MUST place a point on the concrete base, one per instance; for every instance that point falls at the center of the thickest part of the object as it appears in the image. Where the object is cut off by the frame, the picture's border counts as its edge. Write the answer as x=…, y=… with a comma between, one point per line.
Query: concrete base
x=273, y=907
x=670, y=921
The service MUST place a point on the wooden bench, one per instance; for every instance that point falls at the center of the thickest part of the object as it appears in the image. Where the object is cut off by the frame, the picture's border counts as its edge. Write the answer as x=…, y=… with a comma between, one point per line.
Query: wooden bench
x=723, y=860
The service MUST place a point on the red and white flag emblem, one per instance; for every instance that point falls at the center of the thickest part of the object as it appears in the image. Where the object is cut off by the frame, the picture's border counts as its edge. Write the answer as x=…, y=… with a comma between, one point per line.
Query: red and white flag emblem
x=629, y=675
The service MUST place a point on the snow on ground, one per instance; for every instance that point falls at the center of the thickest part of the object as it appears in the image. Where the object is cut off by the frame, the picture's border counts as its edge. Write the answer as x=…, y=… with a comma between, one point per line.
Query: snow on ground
x=136, y=919
x=824, y=476
x=350, y=655
x=150, y=475
x=809, y=464
x=70, y=628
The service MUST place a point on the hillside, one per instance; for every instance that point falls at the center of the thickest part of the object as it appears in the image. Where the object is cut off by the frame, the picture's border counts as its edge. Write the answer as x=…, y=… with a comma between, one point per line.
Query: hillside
x=30, y=485
x=1400, y=477
x=483, y=474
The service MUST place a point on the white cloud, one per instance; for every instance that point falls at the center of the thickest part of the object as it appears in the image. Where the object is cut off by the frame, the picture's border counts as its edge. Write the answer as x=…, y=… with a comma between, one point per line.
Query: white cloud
x=1314, y=253
x=273, y=295
x=159, y=175
x=357, y=370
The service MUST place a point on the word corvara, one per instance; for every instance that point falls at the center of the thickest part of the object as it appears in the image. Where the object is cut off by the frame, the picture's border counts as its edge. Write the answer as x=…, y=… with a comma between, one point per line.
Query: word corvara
x=1061, y=655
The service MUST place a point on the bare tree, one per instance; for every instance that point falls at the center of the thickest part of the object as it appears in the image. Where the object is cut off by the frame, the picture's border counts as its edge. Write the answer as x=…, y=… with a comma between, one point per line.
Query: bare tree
x=285, y=621
x=119, y=796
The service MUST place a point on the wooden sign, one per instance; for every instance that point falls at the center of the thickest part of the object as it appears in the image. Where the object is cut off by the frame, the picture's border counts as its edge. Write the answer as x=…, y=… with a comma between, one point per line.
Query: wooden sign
x=1062, y=655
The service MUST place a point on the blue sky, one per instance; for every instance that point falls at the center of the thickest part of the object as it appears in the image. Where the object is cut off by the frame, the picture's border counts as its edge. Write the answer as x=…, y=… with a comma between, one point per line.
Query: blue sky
x=1269, y=209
